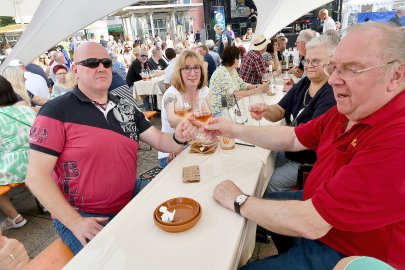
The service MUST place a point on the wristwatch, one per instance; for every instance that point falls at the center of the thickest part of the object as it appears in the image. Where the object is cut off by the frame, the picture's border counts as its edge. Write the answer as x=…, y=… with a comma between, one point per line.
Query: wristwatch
x=239, y=201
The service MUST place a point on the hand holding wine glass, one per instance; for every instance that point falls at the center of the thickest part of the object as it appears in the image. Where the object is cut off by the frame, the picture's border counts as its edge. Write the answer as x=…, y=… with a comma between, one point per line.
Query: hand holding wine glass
x=202, y=110
x=256, y=105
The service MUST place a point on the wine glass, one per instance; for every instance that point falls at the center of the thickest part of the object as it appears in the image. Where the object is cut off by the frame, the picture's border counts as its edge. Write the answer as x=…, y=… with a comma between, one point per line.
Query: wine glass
x=259, y=103
x=202, y=112
x=182, y=106
x=143, y=74
x=265, y=77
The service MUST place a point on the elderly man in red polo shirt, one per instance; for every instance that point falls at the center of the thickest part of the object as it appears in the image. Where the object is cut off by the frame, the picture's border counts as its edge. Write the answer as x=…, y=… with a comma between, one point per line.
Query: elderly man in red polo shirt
x=353, y=202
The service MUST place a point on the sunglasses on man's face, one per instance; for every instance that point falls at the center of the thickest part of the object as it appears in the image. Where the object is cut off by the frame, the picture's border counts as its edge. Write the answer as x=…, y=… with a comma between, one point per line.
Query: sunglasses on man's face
x=95, y=62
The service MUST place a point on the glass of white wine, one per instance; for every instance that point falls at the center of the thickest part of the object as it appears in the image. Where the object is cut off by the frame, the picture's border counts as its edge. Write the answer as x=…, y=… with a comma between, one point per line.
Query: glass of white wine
x=182, y=106
x=202, y=112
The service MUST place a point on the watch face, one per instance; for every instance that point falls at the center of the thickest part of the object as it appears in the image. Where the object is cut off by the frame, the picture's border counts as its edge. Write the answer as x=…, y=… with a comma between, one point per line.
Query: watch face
x=241, y=199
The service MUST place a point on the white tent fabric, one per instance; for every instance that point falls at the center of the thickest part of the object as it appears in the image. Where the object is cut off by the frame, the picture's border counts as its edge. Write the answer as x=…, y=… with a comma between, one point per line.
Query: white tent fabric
x=55, y=20
x=21, y=10
x=276, y=14
x=15, y=8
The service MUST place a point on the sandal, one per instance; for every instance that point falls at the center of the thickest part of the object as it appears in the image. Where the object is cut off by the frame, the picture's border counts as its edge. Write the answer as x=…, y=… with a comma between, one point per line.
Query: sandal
x=11, y=223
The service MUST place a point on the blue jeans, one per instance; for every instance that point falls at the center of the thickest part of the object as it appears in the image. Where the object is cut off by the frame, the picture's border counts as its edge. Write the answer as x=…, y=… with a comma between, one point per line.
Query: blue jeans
x=163, y=162
x=70, y=239
x=304, y=254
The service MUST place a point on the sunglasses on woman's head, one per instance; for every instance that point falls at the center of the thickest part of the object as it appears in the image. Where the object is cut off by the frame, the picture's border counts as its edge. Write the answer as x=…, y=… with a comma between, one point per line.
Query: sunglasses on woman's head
x=95, y=62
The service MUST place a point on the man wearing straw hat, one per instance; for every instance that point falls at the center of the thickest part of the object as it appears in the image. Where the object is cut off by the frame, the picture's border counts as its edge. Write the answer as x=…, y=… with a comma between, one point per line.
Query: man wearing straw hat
x=253, y=65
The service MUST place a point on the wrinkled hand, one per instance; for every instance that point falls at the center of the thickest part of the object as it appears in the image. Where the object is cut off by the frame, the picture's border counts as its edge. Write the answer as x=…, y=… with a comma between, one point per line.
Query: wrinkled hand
x=14, y=247
x=257, y=111
x=225, y=194
x=187, y=129
x=87, y=227
x=219, y=127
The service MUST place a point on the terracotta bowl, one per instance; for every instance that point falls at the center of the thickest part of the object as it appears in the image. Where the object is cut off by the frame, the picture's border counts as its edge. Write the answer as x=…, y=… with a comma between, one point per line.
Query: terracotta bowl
x=186, y=210
x=178, y=228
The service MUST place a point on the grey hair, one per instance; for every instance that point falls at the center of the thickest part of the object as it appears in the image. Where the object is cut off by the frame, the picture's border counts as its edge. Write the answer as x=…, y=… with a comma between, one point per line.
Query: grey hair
x=322, y=41
x=282, y=38
x=56, y=55
x=389, y=39
x=210, y=44
x=333, y=35
x=306, y=35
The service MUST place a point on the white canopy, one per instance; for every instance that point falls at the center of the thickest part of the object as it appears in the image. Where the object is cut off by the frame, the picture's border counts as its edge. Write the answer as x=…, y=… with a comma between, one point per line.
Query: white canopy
x=276, y=14
x=55, y=20
x=22, y=10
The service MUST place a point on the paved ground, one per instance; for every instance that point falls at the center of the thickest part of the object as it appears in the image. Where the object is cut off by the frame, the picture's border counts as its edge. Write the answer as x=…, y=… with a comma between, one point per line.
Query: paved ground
x=38, y=233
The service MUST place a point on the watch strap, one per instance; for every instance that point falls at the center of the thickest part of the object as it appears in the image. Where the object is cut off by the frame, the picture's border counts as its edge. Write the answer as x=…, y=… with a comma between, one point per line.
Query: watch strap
x=237, y=206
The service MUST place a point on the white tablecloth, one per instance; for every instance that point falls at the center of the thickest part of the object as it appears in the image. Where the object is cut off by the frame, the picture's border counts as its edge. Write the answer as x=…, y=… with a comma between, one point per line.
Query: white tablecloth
x=220, y=240
x=149, y=87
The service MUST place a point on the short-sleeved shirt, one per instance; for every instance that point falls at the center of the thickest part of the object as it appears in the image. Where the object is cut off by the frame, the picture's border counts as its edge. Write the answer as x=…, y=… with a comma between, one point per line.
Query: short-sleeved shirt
x=328, y=24
x=15, y=124
x=97, y=153
x=267, y=57
x=252, y=67
x=300, y=108
x=224, y=83
x=357, y=183
x=134, y=72
x=161, y=65
x=211, y=65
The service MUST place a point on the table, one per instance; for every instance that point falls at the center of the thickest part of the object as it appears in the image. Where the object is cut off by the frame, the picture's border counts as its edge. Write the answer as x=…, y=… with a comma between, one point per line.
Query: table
x=150, y=87
x=220, y=240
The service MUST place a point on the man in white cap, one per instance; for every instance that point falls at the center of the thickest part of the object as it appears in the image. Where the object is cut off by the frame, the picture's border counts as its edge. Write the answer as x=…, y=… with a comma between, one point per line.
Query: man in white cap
x=33, y=82
x=253, y=65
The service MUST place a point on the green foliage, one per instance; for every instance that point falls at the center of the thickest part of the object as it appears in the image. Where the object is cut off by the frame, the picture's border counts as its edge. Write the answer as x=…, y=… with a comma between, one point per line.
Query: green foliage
x=4, y=21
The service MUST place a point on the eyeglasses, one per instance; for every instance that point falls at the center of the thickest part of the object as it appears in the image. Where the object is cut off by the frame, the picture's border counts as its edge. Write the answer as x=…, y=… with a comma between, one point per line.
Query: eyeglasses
x=348, y=73
x=144, y=56
x=95, y=62
x=62, y=73
x=314, y=62
x=187, y=70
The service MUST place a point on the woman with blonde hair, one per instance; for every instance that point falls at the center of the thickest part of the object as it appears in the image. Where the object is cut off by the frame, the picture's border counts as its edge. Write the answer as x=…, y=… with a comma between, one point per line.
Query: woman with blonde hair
x=15, y=75
x=189, y=81
x=42, y=61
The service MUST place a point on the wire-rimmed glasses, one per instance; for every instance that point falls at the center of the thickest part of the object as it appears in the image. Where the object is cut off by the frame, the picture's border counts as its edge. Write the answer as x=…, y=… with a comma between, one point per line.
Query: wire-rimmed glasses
x=346, y=73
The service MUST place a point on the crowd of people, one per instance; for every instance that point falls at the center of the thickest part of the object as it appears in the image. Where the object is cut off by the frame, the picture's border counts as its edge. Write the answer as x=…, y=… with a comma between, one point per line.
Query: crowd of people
x=339, y=117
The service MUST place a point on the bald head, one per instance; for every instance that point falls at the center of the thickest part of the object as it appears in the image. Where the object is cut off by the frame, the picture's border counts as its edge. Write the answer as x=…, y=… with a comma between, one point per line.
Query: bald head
x=90, y=50
x=93, y=81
